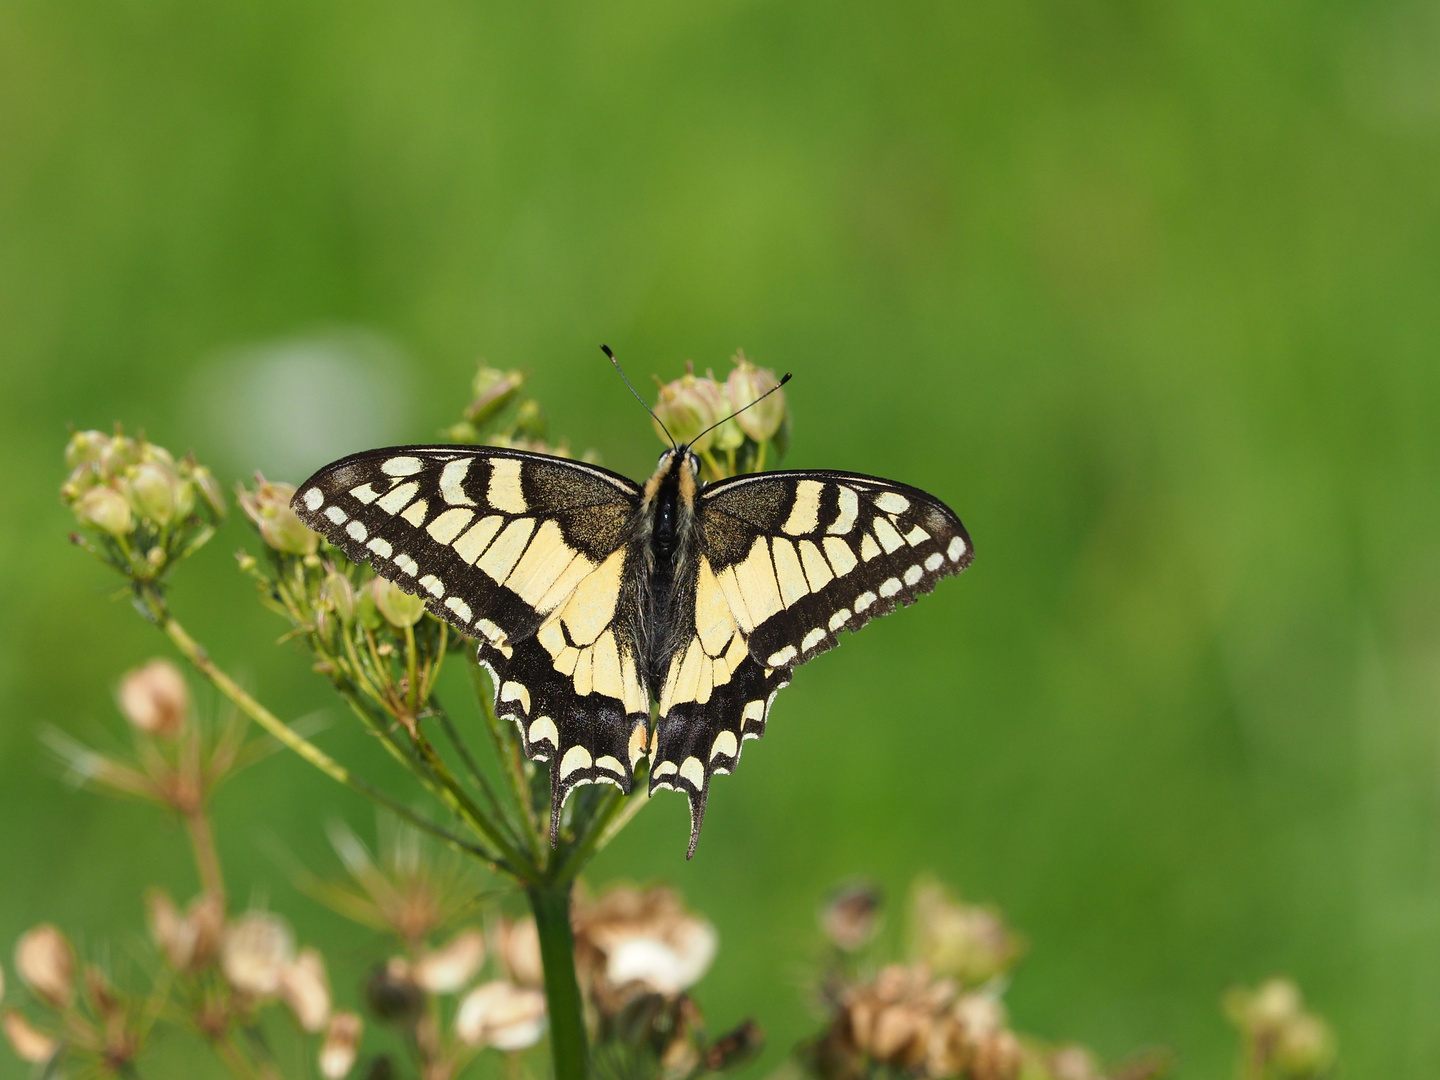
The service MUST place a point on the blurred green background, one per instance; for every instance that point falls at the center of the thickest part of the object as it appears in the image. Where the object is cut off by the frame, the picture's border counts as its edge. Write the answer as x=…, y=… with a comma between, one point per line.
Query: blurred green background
x=1147, y=291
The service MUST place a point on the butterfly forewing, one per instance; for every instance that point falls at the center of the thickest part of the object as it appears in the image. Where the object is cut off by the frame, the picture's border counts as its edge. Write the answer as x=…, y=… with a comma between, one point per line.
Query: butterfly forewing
x=525, y=552
x=785, y=562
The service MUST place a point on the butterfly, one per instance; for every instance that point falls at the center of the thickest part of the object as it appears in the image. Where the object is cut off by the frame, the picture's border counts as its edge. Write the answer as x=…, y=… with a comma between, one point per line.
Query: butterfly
x=590, y=595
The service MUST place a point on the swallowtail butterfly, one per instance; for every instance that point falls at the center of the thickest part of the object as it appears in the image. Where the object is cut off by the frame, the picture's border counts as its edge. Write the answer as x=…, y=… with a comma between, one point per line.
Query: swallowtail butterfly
x=591, y=595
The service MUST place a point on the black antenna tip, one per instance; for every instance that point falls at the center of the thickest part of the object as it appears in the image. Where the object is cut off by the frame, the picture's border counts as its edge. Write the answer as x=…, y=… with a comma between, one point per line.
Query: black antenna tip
x=606, y=350
x=785, y=379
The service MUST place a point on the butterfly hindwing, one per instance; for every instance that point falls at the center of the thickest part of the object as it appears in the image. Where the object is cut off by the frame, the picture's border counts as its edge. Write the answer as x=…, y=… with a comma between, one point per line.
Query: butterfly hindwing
x=786, y=561
x=525, y=552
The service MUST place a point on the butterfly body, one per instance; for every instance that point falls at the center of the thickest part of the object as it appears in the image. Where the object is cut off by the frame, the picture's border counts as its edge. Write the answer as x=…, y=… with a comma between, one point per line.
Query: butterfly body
x=592, y=596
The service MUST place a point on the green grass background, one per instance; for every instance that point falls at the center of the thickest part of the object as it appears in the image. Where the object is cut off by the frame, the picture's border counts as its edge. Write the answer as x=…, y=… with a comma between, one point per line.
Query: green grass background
x=1146, y=290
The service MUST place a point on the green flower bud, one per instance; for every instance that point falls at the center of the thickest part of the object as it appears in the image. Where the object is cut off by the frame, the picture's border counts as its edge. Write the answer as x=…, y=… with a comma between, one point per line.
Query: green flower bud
x=151, y=488
x=339, y=594
x=268, y=506
x=78, y=482
x=491, y=391
x=148, y=451
x=748, y=383
x=530, y=422
x=366, y=613
x=209, y=488
x=105, y=509
x=687, y=407
x=85, y=447
x=399, y=608
x=118, y=454
x=1305, y=1047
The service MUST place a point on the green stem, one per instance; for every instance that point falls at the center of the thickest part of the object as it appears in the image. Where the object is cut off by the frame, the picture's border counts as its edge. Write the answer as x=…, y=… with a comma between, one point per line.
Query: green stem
x=551, y=904
x=613, y=817
x=155, y=608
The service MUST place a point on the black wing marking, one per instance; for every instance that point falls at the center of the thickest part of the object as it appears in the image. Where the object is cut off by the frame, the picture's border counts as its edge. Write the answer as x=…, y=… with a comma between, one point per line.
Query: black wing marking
x=786, y=561
x=524, y=551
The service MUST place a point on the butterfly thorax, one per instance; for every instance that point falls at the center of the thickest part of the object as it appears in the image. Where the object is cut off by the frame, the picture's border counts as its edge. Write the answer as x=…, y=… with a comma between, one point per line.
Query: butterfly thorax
x=665, y=531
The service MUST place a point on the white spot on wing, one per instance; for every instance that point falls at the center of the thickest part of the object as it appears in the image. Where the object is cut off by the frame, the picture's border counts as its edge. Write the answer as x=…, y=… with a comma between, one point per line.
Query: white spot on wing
x=449, y=525
x=914, y=574
x=544, y=728
x=916, y=536
x=356, y=530
x=934, y=562
x=805, y=512
x=693, y=771
x=504, y=492
x=849, y=508
x=365, y=493
x=864, y=600
x=889, y=587
x=724, y=745
x=452, y=479
x=869, y=549
x=314, y=498
x=401, y=466
x=335, y=514
x=886, y=534
x=514, y=691
x=395, y=500
x=956, y=549
x=892, y=502
x=431, y=584
x=575, y=759
x=380, y=546
x=459, y=607
x=783, y=657
x=842, y=559
x=415, y=512
x=839, y=619
x=813, y=638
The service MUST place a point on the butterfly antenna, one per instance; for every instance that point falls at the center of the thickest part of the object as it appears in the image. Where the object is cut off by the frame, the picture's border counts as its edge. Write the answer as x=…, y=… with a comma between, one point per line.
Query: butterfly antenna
x=606, y=350
x=738, y=411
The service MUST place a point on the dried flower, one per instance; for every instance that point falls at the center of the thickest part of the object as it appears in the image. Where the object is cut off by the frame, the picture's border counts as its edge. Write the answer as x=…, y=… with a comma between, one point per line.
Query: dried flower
x=392, y=994
x=748, y=383
x=502, y=1015
x=341, y=1045
x=400, y=609
x=688, y=406
x=646, y=937
x=963, y=941
x=448, y=968
x=105, y=509
x=268, y=506
x=45, y=962
x=189, y=941
x=851, y=916
x=29, y=1043
x=1279, y=1031
x=735, y=1047
x=1074, y=1063
x=518, y=945
x=306, y=989
x=155, y=699
x=257, y=951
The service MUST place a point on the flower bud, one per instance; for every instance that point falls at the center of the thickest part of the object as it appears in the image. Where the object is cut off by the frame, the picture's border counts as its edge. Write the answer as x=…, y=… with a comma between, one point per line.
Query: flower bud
x=399, y=608
x=851, y=917
x=490, y=391
x=341, y=1045
x=85, y=447
x=28, y=1043
x=257, y=950
x=105, y=509
x=1305, y=1047
x=306, y=989
x=117, y=455
x=45, y=961
x=501, y=1015
x=966, y=942
x=748, y=383
x=337, y=591
x=209, y=488
x=268, y=506
x=155, y=699
x=448, y=968
x=152, y=491
x=687, y=407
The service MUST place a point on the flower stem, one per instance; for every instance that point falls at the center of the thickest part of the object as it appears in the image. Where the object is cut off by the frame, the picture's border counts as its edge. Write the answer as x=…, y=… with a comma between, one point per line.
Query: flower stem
x=207, y=862
x=152, y=605
x=550, y=902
